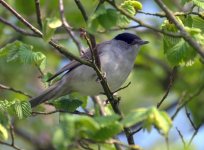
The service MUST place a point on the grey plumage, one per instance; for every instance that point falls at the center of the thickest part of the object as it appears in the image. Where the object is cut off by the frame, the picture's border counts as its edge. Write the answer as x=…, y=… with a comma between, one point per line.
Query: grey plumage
x=117, y=59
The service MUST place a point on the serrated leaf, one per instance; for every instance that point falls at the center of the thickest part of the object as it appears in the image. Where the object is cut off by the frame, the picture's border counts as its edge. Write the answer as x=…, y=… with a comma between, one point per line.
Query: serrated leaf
x=198, y=23
x=3, y=132
x=181, y=52
x=108, y=131
x=108, y=19
x=135, y=116
x=199, y=3
x=25, y=54
x=69, y=105
x=160, y=120
x=104, y=120
x=149, y=117
x=40, y=59
x=123, y=21
x=80, y=97
x=22, y=109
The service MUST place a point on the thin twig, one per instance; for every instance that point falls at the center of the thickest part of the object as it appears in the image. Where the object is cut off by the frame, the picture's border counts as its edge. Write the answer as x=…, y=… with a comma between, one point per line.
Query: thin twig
x=68, y=28
x=81, y=8
x=34, y=113
x=163, y=15
x=183, y=32
x=182, y=138
x=14, y=90
x=140, y=22
x=124, y=87
x=190, y=98
x=169, y=86
x=12, y=144
x=60, y=48
x=189, y=118
x=9, y=145
x=38, y=13
x=193, y=136
x=20, y=30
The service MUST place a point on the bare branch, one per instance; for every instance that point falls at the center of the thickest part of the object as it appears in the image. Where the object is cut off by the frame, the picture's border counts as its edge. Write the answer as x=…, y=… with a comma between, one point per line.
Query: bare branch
x=61, y=49
x=38, y=13
x=68, y=28
x=14, y=90
x=182, y=138
x=34, y=113
x=22, y=31
x=140, y=22
x=169, y=87
x=190, y=98
x=183, y=32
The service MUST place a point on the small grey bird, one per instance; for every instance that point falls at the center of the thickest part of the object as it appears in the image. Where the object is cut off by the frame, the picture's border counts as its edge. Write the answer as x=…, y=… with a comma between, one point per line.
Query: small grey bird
x=117, y=58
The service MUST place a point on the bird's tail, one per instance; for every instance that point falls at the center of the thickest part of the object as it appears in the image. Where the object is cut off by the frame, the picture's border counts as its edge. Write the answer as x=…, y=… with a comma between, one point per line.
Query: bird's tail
x=48, y=94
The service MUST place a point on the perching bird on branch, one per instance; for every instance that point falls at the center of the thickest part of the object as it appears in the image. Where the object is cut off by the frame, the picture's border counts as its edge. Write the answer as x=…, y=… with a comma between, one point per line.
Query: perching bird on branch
x=117, y=58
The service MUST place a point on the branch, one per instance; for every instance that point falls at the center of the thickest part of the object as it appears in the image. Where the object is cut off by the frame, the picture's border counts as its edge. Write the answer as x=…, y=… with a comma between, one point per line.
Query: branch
x=96, y=66
x=22, y=31
x=61, y=49
x=182, y=138
x=68, y=28
x=12, y=140
x=38, y=13
x=34, y=113
x=163, y=15
x=183, y=32
x=14, y=90
x=169, y=86
x=140, y=22
x=91, y=37
x=190, y=98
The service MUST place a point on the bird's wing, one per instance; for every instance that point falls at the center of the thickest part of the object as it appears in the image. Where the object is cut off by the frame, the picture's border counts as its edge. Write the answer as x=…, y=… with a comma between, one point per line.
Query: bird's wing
x=73, y=64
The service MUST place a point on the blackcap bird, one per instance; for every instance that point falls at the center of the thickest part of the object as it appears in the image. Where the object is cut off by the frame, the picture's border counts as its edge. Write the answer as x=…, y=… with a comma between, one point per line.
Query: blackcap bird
x=117, y=58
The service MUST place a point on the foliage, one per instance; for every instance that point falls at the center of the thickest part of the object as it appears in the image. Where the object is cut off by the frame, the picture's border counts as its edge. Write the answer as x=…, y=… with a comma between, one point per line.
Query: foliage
x=77, y=121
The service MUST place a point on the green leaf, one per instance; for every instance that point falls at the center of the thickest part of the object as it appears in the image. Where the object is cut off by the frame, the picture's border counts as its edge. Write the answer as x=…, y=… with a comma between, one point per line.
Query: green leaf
x=39, y=59
x=108, y=131
x=49, y=27
x=104, y=120
x=65, y=132
x=69, y=105
x=4, y=118
x=103, y=17
x=108, y=19
x=199, y=3
x=180, y=53
x=109, y=126
x=150, y=117
x=54, y=22
x=160, y=120
x=23, y=109
x=23, y=52
x=3, y=132
x=198, y=23
x=80, y=97
x=135, y=117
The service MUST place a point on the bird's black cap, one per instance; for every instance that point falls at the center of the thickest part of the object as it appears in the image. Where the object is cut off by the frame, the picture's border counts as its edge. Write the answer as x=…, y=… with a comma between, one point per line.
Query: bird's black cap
x=130, y=38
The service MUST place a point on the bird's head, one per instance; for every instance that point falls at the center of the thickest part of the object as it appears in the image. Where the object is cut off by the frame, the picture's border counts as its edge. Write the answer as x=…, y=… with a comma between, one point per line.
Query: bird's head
x=130, y=39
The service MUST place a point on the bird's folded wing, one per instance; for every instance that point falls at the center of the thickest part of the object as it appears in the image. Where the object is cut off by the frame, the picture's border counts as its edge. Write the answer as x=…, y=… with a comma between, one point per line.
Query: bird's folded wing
x=73, y=64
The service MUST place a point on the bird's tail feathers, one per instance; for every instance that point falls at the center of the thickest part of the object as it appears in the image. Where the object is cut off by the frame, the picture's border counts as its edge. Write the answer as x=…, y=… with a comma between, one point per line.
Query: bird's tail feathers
x=48, y=94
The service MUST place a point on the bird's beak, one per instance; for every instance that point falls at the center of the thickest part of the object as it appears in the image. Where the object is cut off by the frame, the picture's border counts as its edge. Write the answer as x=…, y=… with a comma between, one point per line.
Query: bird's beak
x=141, y=42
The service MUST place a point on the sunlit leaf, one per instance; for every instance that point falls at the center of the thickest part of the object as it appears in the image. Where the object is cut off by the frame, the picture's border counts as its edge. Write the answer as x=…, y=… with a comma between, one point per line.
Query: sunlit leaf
x=3, y=132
